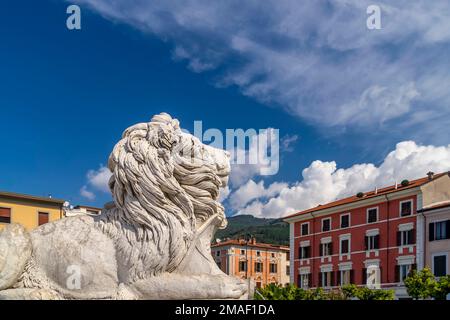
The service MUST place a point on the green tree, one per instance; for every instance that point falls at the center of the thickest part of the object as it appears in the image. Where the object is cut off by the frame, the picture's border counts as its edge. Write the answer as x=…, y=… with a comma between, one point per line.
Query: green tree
x=291, y=292
x=364, y=293
x=424, y=285
x=421, y=285
x=442, y=289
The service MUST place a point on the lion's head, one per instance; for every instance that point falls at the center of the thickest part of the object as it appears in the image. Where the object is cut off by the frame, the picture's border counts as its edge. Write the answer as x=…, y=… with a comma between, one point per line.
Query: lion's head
x=167, y=182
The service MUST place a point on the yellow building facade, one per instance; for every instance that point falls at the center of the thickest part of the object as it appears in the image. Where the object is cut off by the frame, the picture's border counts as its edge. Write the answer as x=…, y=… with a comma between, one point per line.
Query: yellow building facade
x=29, y=211
x=262, y=262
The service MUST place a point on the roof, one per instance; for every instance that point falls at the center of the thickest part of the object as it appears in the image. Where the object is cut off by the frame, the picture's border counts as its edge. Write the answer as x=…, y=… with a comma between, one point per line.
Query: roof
x=88, y=207
x=436, y=206
x=19, y=196
x=234, y=242
x=367, y=195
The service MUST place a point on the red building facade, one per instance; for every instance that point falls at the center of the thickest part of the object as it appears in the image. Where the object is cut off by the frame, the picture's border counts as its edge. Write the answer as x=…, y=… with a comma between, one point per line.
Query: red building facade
x=333, y=245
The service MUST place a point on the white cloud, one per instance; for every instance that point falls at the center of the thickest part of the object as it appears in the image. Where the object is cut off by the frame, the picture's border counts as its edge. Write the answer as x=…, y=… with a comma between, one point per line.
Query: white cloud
x=224, y=193
x=252, y=190
x=97, y=180
x=314, y=58
x=85, y=193
x=324, y=182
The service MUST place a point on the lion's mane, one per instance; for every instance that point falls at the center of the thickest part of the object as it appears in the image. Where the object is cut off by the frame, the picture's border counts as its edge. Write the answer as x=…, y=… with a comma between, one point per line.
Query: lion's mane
x=163, y=190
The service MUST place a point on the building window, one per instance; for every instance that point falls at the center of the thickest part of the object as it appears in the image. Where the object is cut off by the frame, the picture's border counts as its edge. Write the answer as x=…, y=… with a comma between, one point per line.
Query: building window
x=406, y=208
x=404, y=271
x=326, y=279
x=440, y=265
x=326, y=249
x=258, y=284
x=345, y=277
x=439, y=230
x=326, y=224
x=372, y=242
x=406, y=238
x=5, y=215
x=242, y=266
x=288, y=270
x=258, y=267
x=273, y=255
x=305, y=229
x=305, y=252
x=258, y=253
x=372, y=215
x=288, y=256
x=218, y=253
x=345, y=220
x=304, y=281
x=242, y=252
x=273, y=268
x=345, y=246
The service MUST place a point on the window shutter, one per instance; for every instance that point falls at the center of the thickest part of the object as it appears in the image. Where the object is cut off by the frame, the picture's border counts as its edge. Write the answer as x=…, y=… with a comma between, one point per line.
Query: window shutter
x=447, y=229
x=399, y=238
x=367, y=243
x=5, y=215
x=377, y=241
x=331, y=248
x=431, y=232
x=42, y=218
x=412, y=236
x=352, y=276
x=397, y=273
x=364, y=276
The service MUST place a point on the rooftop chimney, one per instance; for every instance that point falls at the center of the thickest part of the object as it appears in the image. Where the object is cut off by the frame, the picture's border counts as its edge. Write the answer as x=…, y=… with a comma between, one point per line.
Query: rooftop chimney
x=430, y=175
x=376, y=190
x=396, y=185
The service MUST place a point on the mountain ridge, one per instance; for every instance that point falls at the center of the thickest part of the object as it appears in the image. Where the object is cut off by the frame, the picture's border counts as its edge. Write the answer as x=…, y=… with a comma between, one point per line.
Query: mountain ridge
x=265, y=230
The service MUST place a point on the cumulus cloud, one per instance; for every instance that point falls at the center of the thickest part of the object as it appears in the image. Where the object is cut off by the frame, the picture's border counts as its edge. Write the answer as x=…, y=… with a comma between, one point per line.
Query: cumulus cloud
x=323, y=182
x=252, y=190
x=224, y=193
x=97, y=180
x=85, y=193
x=314, y=58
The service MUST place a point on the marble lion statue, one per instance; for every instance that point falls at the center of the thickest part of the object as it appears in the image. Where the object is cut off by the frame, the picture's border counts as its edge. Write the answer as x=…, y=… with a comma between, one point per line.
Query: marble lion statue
x=152, y=242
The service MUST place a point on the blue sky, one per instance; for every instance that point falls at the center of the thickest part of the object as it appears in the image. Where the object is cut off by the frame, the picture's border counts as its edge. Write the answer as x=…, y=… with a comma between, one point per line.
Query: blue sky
x=66, y=96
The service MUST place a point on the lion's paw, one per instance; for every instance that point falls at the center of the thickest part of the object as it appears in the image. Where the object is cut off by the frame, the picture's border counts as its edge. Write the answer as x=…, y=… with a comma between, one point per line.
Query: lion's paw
x=234, y=288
